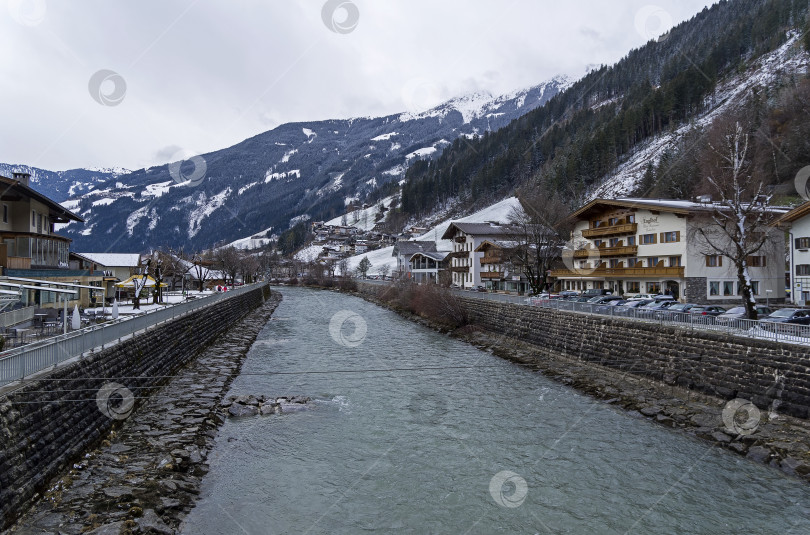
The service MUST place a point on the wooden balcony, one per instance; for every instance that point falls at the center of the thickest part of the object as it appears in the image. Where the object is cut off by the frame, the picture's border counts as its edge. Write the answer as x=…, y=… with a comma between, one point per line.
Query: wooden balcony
x=459, y=254
x=599, y=232
x=17, y=262
x=489, y=275
x=605, y=272
x=492, y=260
x=625, y=250
x=460, y=269
x=460, y=239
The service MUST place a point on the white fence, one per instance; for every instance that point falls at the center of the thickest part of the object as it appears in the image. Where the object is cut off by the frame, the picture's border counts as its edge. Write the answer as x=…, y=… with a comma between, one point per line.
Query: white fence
x=18, y=363
x=13, y=317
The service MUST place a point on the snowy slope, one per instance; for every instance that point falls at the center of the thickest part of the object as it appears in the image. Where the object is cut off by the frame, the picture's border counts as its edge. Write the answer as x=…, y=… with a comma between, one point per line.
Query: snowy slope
x=789, y=58
x=364, y=219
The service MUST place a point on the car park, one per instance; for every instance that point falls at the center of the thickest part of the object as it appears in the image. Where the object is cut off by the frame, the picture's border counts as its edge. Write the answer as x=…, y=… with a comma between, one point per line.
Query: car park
x=608, y=307
x=707, y=310
x=629, y=308
x=675, y=311
x=599, y=299
x=735, y=317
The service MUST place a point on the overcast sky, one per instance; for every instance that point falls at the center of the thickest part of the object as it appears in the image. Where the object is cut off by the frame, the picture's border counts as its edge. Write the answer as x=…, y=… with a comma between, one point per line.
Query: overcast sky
x=202, y=75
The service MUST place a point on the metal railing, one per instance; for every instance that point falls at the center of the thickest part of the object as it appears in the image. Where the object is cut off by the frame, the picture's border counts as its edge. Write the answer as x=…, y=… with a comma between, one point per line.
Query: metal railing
x=13, y=317
x=757, y=329
x=23, y=361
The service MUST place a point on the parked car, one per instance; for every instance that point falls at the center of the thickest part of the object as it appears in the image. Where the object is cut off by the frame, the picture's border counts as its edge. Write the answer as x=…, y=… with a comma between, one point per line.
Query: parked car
x=568, y=294
x=599, y=299
x=606, y=307
x=676, y=311
x=480, y=288
x=629, y=307
x=734, y=317
x=648, y=297
x=595, y=292
x=707, y=310
x=784, y=317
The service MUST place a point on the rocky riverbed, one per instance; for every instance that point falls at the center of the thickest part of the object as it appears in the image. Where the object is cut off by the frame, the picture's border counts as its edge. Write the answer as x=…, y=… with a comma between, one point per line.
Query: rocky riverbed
x=145, y=476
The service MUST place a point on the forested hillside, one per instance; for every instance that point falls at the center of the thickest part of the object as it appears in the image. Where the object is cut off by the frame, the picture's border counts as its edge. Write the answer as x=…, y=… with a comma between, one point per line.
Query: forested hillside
x=585, y=132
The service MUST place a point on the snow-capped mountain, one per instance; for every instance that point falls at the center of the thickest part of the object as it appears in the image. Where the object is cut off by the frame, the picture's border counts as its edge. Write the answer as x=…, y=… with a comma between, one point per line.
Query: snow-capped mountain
x=295, y=172
x=61, y=185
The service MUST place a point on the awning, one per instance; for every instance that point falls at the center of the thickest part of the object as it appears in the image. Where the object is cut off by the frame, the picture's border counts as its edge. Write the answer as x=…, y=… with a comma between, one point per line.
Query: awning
x=129, y=283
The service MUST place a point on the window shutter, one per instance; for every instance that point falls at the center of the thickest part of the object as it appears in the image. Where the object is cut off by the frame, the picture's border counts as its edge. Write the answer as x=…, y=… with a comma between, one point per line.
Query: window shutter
x=677, y=235
x=663, y=238
x=707, y=261
x=764, y=261
x=719, y=261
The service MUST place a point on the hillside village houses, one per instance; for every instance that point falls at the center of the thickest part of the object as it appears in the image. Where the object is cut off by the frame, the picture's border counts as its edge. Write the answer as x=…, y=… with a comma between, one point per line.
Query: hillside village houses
x=797, y=224
x=634, y=246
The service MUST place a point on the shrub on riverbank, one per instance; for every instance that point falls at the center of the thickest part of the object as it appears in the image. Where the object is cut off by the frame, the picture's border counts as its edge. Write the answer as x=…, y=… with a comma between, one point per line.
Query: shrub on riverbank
x=429, y=301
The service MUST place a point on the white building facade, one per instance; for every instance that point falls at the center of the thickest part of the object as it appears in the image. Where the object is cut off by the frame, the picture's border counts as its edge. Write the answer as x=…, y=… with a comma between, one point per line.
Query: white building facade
x=465, y=261
x=632, y=246
x=797, y=224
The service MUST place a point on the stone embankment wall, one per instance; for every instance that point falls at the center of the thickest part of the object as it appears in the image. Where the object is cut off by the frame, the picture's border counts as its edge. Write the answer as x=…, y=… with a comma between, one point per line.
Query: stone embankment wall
x=771, y=375
x=50, y=422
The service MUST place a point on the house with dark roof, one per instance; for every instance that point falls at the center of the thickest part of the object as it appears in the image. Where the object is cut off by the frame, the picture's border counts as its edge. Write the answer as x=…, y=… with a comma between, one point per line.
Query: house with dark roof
x=429, y=266
x=465, y=265
x=404, y=250
x=29, y=246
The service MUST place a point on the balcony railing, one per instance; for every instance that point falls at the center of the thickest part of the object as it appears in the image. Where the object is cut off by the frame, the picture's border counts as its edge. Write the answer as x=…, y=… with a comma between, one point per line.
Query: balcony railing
x=625, y=250
x=460, y=269
x=489, y=275
x=18, y=262
x=598, y=232
x=492, y=260
x=658, y=271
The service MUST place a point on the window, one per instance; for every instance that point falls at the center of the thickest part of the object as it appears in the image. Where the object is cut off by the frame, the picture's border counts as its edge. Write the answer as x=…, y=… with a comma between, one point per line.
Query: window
x=631, y=240
x=728, y=287
x=674, y=261
x=755, y=287
x=33, y=218
x=597, y=243
x=633, y=287
x=613, y=221
x=596, y=224
x=713, y=260
x=631, y=262
x=652, y=261
x=614, y=263
x=647, y=239
x=671, y=237
x=756, y=261
x=614, y=242
x=802, y=243
x=714, y=288
x=631, y=218
x=653, y=287
x=5, y=213
x=803, y=269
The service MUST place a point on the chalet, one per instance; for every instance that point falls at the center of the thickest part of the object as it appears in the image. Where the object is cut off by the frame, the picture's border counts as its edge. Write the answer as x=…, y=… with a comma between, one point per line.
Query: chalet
x=634, y=246
x=404, y=251
x=429, y=266
x=496, y=270
x=465, y=264
x=29, y=246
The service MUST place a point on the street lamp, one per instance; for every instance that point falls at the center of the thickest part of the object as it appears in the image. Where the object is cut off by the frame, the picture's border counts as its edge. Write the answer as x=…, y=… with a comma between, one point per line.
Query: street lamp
x=767, y=298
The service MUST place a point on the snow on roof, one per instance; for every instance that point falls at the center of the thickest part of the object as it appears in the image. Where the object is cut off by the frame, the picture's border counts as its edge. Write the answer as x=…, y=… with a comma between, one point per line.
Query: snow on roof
x=114, y=259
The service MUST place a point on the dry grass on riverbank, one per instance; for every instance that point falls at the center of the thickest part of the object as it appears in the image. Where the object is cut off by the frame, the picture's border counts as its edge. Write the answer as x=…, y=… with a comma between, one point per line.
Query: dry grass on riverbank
x=428, y=301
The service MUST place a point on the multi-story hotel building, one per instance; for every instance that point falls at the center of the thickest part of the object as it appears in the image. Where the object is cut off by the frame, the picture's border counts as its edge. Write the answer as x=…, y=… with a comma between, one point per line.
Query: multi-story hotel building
x=797, y=224
x=634, y=246
x=465, y=261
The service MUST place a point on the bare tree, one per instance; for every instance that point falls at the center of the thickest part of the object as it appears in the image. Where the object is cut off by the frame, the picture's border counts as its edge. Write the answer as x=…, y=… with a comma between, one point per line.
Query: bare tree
x=343, y=266
x=384, y=270
x=541, y=228
x=174, y=268
x=230, y=261
x=737, y=224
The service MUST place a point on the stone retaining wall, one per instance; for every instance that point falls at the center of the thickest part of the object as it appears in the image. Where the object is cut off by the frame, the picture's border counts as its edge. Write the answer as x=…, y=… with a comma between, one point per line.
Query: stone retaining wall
x=773, y=376
x=769, y=374
x=46, y=425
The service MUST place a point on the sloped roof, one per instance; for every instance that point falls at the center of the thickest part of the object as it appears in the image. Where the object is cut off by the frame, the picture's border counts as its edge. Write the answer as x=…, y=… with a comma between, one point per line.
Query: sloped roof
x=114, y=259
x=14, y=190
x=480, y=229
x=676, y=206
x=797, y=213
x=408, y=248
x=438, y=256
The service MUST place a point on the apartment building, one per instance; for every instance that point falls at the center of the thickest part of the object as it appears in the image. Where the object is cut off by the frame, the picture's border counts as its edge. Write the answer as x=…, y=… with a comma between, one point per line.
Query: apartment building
x=634, y=246
x=797, y=224
x=497, y=272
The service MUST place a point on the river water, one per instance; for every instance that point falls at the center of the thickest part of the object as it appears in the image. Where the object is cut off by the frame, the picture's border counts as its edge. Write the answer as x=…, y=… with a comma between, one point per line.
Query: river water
x=459, y=441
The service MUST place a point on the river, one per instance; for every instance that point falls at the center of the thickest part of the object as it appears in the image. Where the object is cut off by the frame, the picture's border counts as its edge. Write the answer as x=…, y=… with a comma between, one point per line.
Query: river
x=413, y=432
